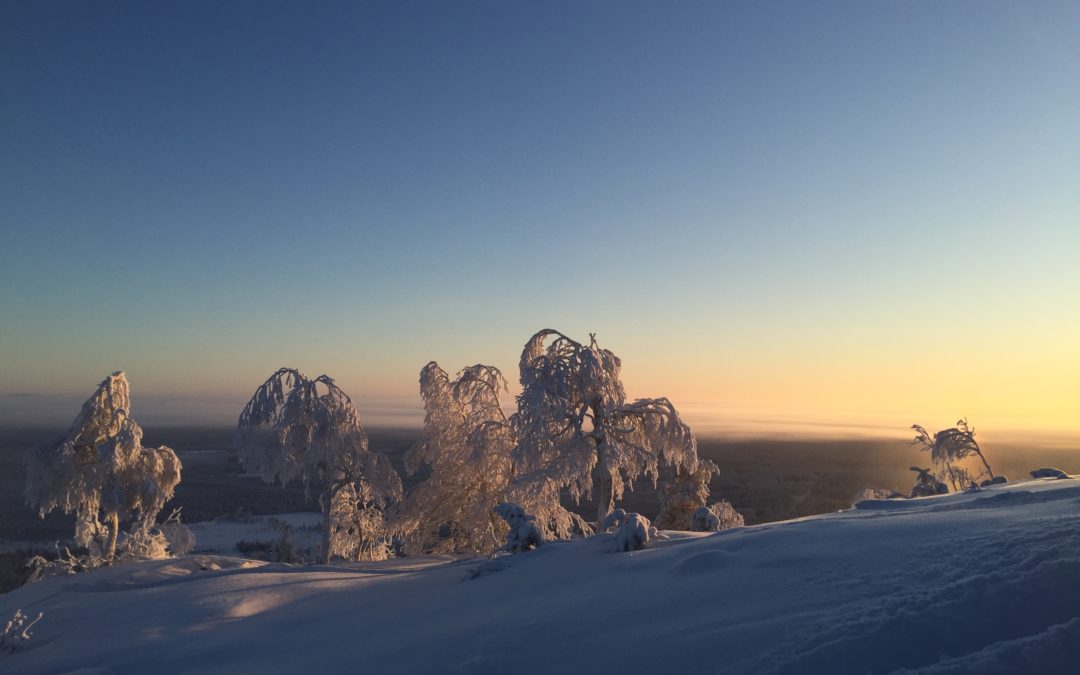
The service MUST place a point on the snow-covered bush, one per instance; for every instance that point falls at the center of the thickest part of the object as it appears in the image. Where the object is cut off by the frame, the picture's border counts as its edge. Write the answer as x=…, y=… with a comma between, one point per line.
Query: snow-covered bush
x=294, y=428
x=169, y=538
x=17, y=632
x=357, y=527
x=996, y=480
x=101, y=472
x=717, y=516
x=682, y=493
x=613, y=520
x=578, y=432
x=467, y=446
x=877, y=493
x=926, y=485
x=950, y=446
x=524, y=534
x=632, y=532
x=1048, y=472
x=178, y=536
x=704, y=520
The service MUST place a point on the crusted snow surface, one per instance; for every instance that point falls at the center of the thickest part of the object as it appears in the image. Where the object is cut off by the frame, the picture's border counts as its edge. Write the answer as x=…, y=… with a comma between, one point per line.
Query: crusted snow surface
x=985, y=582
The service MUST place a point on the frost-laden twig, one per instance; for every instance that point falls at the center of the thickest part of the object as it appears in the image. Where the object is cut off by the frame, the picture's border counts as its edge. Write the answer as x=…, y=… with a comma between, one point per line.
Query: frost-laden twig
x=17, y=632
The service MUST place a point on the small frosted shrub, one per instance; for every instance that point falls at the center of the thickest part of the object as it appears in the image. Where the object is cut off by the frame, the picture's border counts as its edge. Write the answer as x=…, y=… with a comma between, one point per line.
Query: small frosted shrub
x=633, y=532
x=17, y=632
x=718, y=516
x=524, y=533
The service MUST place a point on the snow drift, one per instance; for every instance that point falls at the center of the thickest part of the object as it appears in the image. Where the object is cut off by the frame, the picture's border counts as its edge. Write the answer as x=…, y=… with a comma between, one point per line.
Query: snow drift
x=982, y=582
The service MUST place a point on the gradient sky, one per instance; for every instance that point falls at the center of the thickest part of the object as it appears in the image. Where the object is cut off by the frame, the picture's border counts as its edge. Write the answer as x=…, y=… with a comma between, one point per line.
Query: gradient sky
x=854, y=211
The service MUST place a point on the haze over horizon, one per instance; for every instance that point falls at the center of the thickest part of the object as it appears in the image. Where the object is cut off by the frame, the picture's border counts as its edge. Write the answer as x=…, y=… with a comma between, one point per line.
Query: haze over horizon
x=857, y=214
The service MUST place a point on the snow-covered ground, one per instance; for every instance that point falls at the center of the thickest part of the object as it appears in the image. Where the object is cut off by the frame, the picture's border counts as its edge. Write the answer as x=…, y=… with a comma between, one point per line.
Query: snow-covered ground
x=967, y=583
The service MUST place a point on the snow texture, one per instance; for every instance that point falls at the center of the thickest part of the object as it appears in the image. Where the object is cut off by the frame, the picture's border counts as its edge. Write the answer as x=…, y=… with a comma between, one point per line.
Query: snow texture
x=980, y=582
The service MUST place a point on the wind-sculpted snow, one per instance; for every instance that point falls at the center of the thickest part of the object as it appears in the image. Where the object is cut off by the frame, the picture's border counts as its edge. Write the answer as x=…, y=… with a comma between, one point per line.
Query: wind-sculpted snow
x=981, y=582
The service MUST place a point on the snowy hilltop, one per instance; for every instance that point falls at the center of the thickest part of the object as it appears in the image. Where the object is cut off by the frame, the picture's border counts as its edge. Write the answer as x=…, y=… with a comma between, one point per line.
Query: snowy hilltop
x=973, y=582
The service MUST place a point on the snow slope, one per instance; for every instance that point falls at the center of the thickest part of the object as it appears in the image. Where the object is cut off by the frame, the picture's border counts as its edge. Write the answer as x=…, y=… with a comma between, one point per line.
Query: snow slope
x=966, y=583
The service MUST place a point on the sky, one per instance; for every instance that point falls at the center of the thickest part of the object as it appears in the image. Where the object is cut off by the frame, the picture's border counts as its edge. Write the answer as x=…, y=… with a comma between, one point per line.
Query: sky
x=857, y=214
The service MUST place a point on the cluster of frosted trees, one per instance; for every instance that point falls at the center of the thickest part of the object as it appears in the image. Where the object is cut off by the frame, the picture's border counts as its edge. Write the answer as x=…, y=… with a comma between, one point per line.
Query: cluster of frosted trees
x=493, y=480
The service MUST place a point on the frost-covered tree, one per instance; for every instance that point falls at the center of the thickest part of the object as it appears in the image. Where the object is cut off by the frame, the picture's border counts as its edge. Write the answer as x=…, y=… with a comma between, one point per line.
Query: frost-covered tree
x=682, y=493
x=949, y=447
x=578, y=432
x=467, y=445
x=294, y=428
x=101, y=472
x=715, y=517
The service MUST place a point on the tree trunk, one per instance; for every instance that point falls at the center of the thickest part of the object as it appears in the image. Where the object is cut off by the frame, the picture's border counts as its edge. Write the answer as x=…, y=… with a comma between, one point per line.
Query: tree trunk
x=605, y=501
x=985, y=463
x=325, y=502
x=605, y=497
x=952, y=477
x=113, y=521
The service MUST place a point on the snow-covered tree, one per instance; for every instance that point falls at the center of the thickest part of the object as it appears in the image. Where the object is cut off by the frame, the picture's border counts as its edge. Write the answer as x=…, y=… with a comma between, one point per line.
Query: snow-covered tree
x=523, y=533
x=949, y=447
x=577, y=431
x=101, y=472
x=294, y=428
x=682, y=493
x=715, y=517
x=467, y=446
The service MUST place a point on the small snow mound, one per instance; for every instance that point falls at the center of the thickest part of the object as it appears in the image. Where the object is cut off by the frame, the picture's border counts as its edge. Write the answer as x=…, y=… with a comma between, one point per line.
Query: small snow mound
x=890, y=504
x=1048, y=472
x=524, y=533
x=485, y=568
x=703, y=563
x=633, y=533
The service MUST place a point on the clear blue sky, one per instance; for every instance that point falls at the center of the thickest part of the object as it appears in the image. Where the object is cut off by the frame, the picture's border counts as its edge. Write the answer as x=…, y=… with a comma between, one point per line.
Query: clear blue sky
x=869, y=206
